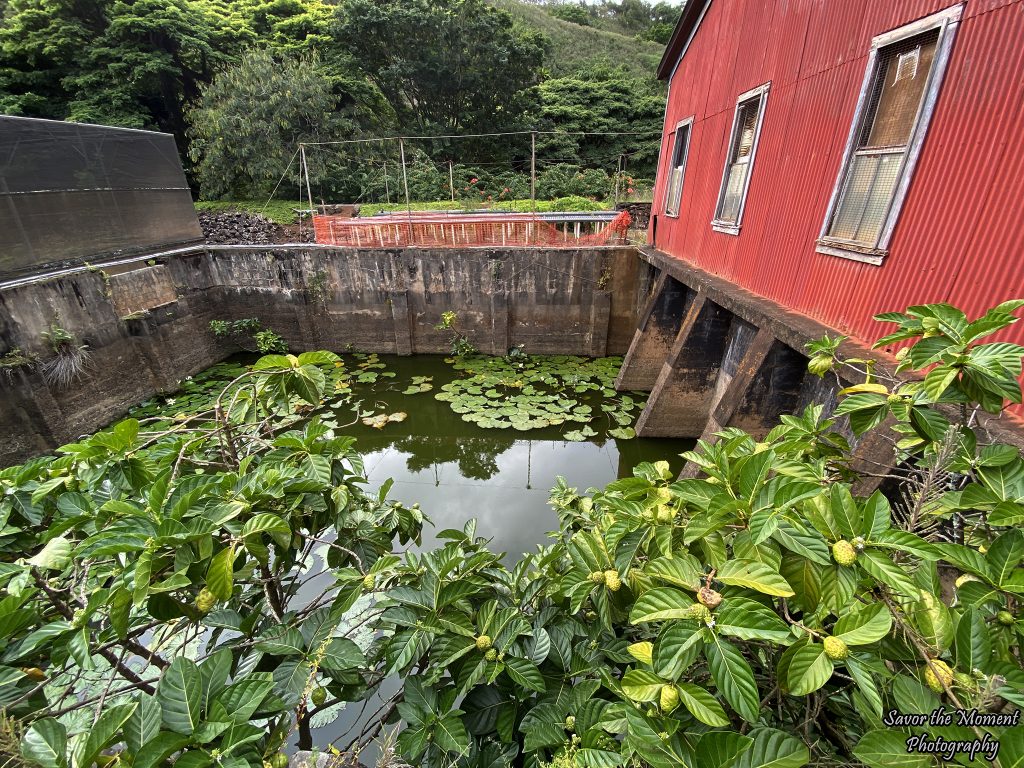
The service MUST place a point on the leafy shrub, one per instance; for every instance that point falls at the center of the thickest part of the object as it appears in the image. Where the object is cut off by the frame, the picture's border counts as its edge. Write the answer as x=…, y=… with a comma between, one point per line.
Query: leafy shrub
x=144, y=541
x=763, y=613
x=577, y=14
x=564, y=180
x=248, y=333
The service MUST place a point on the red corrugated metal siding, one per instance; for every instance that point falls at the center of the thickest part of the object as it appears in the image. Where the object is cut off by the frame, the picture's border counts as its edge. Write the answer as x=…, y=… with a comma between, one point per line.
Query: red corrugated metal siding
x=959, y=237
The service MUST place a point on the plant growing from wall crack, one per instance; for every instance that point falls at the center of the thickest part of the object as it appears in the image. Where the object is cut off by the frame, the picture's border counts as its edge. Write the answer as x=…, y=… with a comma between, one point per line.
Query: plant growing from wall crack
x=69, y=360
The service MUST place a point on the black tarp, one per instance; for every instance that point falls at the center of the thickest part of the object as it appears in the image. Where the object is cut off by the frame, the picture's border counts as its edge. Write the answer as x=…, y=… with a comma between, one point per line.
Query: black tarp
x=71, y=192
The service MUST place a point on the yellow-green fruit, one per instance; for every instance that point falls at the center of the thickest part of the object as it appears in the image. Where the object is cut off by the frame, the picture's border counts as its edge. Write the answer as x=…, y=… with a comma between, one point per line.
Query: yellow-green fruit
x=707, y=596
x=649, y=515
x=491, y=655
x=1005, y=618
x=700, y=612
x=665, y=515
x=669, y=698
x=79, y=619
x=34, y=673
x=205, y=600
x=570, y=723
x=597, y=577
x=319, y=696
x=612, y=581
x=369, y=581
x=836, y=649
x=937, y=675
x=844, y=553
x=279, y=760
x=965, y=681
x=483, y=643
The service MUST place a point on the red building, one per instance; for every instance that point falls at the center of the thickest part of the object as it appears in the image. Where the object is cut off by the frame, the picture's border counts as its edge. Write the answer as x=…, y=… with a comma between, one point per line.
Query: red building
x=847, y=157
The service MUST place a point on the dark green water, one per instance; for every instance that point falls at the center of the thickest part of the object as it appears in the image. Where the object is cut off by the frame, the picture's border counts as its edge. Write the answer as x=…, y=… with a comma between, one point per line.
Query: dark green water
x=457, y=471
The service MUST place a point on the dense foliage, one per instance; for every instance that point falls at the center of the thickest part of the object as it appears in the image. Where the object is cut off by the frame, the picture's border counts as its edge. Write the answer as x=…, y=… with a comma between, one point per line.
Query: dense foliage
x=241, y=82
x=762, y=613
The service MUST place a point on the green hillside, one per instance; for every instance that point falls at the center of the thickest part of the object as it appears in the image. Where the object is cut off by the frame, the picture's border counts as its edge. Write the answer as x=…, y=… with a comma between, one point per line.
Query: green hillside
x=574, y=47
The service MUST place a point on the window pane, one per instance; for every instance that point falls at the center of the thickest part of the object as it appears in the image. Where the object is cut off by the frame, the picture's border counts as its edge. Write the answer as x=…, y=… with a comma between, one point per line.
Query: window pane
x=675, y=191
x=675, y=181
x=730, y=208
x=747, y=125
x=899, y=87
x=741, y=151
x=865, y=201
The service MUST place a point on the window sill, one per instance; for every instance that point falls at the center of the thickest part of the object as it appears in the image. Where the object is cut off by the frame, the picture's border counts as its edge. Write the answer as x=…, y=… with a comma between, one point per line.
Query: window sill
x=671, y=215
x=725, y=227
x=844, y=250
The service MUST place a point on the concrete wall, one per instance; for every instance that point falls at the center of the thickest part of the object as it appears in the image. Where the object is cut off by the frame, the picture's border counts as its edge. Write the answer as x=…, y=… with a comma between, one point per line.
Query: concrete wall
x=147, y=328
x=713, y=355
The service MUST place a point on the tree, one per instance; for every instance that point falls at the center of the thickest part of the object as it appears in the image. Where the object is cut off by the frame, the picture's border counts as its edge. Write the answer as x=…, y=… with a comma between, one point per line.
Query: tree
x=577, y=14
x=445, y=66
x=602, y=100
x=114, y=62
x=251, y=118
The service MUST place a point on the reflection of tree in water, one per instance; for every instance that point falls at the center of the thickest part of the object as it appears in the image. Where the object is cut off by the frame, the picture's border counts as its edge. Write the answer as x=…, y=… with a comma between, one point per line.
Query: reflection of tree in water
x=476, y=456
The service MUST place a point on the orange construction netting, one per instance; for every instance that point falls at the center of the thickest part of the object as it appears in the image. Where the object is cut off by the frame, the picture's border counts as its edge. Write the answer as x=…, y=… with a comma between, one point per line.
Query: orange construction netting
x=440, y=230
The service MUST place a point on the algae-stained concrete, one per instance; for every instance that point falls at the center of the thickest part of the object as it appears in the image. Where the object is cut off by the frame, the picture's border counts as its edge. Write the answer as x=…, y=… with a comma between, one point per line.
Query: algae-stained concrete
x=147, y=326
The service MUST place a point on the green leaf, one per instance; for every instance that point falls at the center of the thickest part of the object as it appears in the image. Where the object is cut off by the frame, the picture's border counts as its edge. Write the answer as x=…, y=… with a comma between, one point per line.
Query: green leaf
x=55, y=556
x=734, y=678
x=221, y=573
x=750, y=620
x=144, y=723
x=868, y=625
x=773, y=749
x=888, y=749
x=180, y=693
x=719, y=749
x=46, y=742
x=866, y=685
x=265, y=522
x=676, y=649
x=102, y=732
x=807, y=668
x=661, y=604
x=754, y=575
x=281, y=641
x=524, y=672
x=641, y=685
x=1005, y=554
x=241, y=699
x=886, y=571
x=450, y=734
x=973, y=641
x=702, y=705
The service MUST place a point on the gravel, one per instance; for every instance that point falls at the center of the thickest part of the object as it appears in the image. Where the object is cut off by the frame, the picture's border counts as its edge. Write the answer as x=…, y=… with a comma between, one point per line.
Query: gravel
x=240, y=228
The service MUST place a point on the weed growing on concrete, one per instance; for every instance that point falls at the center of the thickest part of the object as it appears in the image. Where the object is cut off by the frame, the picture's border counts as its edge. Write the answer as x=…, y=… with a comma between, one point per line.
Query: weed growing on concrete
x=69, y=360
x=13, y=360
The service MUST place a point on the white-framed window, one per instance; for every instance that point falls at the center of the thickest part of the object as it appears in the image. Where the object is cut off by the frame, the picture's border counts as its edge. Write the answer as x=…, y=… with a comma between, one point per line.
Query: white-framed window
x=739, y=161
x=897, y=98
x=677, y=171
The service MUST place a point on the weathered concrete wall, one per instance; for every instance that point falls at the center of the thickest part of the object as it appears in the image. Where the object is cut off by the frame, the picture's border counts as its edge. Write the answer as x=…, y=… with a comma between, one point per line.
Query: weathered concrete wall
x=737, y=360
x=147, y=328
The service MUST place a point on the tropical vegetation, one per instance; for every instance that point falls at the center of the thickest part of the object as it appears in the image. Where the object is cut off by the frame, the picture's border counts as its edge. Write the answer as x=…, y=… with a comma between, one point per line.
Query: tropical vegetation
x=241, y=82
x=762, y=611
